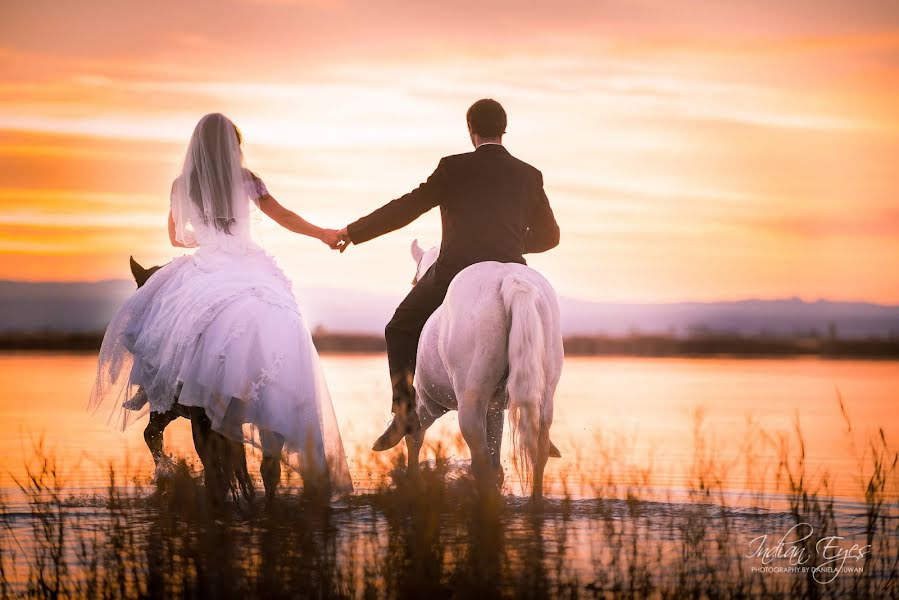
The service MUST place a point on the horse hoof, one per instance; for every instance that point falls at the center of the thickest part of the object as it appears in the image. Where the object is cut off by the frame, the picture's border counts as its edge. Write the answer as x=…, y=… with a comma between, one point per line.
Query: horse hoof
x=165, y=469
x=535, y=504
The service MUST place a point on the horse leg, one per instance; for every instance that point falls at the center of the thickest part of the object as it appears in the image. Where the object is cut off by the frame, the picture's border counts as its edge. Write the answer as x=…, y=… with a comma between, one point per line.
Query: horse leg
x=240, y=472
x=544, y=445
x=223, y=455
x=272, y=444
x=414, y=442
x=495, y=420
x=235, y=470
x=153, y=433
x=200, y=432
x=540, y=464
x=472, y=422
x=205, y=442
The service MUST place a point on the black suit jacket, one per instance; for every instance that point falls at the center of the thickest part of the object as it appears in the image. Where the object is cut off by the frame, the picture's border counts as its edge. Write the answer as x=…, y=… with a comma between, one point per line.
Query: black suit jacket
x=492, y=207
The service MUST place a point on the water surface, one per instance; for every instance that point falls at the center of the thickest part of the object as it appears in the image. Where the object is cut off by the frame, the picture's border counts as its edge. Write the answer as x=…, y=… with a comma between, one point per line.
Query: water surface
x=627, y=421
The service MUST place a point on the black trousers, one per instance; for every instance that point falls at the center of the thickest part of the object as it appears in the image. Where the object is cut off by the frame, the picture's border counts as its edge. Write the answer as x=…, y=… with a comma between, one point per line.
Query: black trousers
x=404, y=329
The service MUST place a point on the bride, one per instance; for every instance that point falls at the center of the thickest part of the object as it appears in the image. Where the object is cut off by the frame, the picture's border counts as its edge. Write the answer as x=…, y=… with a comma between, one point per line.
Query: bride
x=219, y=330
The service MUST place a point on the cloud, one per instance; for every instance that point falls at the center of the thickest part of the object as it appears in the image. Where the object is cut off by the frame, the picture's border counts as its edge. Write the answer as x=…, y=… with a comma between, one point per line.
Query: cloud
x=885, y=224
x=680, y=142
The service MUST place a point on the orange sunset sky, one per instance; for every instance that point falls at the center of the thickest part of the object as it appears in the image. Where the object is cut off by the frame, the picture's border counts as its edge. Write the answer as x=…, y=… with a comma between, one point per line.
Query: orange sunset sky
x=691, y=150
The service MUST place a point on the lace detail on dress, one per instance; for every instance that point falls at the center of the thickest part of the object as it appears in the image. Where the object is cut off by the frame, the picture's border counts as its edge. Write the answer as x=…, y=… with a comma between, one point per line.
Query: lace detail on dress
x=275, y=299
x=265, y=376
x=235, y=333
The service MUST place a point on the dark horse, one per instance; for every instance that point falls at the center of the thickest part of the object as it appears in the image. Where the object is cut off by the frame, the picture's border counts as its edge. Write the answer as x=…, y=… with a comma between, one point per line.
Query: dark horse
x=224, y=460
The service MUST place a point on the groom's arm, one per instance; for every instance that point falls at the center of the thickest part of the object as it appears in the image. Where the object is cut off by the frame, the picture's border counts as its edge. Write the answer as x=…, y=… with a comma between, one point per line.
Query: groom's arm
x=543, y=231
x=403, y=210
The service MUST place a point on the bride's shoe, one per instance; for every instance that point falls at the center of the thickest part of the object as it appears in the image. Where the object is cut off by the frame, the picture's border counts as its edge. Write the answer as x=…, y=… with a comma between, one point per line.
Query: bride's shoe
x=137, y=401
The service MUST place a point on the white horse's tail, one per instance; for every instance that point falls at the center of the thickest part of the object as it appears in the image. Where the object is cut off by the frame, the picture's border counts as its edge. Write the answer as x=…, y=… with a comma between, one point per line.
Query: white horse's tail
x=527, y=377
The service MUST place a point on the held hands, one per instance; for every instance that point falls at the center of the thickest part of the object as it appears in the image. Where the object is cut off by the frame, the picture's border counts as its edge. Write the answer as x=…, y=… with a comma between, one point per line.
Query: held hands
x=334, y=239
x=330, y=238
x=345, y=240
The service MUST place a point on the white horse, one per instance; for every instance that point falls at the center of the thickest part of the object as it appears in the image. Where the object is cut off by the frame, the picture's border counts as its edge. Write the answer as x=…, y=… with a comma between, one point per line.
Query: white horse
x=494, y=343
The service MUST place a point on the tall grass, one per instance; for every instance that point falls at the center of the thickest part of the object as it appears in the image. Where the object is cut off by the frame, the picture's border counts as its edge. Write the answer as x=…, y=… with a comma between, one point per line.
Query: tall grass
x=605, y=534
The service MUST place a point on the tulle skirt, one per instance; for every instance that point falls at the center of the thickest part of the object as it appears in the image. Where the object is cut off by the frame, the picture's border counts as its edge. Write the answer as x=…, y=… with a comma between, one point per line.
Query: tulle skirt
x=222, y=331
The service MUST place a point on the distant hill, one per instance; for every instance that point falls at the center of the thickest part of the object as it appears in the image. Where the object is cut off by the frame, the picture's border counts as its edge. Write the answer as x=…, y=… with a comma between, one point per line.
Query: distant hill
x=742, y=317
x=26, y=306
x=86, y=307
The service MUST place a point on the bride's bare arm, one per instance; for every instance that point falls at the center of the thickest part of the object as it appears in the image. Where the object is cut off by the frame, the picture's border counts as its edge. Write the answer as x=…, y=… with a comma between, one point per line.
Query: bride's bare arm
x=291, y=221
x=172, y=239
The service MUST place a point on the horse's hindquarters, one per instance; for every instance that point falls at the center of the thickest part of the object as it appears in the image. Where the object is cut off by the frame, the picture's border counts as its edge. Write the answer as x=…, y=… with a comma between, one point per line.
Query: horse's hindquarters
x=498, y=328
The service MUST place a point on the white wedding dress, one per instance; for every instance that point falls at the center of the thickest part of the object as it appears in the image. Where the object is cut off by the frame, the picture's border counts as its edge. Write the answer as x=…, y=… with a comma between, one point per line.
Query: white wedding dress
x=220, y=329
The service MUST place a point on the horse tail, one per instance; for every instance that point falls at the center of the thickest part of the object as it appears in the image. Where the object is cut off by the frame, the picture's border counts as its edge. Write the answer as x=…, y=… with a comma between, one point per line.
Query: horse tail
x=527, y=377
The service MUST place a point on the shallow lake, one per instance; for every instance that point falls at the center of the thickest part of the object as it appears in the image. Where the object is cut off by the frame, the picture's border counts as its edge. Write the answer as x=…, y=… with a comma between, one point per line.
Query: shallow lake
x=672, y=471
x=623, y=421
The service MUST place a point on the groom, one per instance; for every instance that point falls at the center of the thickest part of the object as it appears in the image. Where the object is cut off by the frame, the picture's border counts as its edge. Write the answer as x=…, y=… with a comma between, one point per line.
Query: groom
x=492, y=207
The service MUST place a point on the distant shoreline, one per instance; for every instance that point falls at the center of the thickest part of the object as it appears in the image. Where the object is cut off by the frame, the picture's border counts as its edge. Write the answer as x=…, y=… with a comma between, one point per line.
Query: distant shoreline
x=708, y=345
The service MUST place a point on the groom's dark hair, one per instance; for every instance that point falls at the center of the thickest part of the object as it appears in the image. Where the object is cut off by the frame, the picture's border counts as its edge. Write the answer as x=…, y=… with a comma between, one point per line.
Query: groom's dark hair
x=487, y=118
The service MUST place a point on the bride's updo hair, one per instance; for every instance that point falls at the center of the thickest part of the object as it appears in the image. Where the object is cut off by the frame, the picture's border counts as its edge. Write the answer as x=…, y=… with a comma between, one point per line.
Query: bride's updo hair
x=216, y=137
